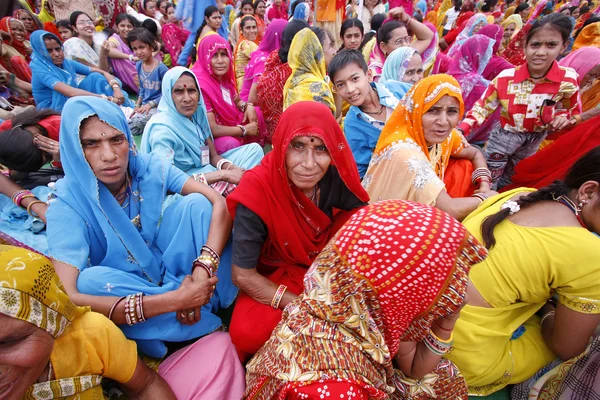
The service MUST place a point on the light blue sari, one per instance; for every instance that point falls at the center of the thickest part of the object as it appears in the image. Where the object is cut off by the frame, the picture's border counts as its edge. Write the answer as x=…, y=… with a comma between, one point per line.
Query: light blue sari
x=44, y=71
x=88, y=229
x=178, y=138
x=394, y=69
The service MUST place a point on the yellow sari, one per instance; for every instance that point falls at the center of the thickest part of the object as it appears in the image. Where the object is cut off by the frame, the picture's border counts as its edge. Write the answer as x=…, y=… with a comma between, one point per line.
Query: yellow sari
x=402, y=166
x=87, y=346
x=44, y=15
x=242, y=55
x=308, y=81
x=524, y=269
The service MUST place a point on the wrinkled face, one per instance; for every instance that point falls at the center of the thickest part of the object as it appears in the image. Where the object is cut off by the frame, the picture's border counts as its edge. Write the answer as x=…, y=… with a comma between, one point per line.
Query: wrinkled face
x=107, y=152
x=65, y=33
x=260, y=9
x=250, y=30
x=440, y=119
x=141, y=50
x=24, y=354
x=590, y=77
x=306, y=161
x=151, y=9
x=123, y=28
x=247, y=9
x=171, y=14
x=215, y=21
x=352, y=38
x=328, y=50
x=542, y=49
x=352, y=84
x=478, y=27
x=414, y=71
x=55, y=51
x=220, y=63
x=17, y=29
x=27, y=21
x=399, y=38
x=510, y=29
x=84, y=26
x=185, y=95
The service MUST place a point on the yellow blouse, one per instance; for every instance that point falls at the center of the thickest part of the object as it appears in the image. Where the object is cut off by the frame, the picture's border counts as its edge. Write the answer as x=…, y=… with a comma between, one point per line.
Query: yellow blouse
x=524, y=269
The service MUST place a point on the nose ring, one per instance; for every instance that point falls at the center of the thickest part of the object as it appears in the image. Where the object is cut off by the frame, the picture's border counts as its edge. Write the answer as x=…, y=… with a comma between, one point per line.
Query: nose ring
x=116, y=156
x=315, y=164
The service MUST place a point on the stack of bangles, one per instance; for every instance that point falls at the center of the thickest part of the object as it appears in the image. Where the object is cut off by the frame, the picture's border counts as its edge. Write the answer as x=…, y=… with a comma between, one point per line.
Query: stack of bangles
x=481, y=196
x=134, y=308
x=438, y=346
x=209, y=262
x=20, y=195
x=278, y=296
x=223, y=161
x=481, y=175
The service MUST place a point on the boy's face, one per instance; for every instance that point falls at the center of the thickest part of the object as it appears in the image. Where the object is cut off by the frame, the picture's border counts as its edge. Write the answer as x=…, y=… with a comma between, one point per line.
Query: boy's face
x=352, y=84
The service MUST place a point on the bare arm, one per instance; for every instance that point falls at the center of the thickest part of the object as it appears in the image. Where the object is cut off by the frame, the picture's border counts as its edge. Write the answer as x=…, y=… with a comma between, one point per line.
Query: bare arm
x=414, y=358
x=568, y=333
x=253, y=95
x=146, y=384
x=459, y=207
x=117, y=54
x=230, y=172
x=422, y=33
x=8, y=188
x=258, y=287
x=478, y=160
x=71, y=91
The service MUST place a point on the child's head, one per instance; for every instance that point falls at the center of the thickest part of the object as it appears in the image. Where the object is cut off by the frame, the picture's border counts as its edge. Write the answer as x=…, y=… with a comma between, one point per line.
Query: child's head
x=151, y=27
x=352, y=33
x=547, y=38
x=142, y=43
x=350, y=76
x=65, y=29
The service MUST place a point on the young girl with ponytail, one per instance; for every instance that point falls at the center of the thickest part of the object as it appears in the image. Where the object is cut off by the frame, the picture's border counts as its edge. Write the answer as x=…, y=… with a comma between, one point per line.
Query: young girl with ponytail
x=543, y=245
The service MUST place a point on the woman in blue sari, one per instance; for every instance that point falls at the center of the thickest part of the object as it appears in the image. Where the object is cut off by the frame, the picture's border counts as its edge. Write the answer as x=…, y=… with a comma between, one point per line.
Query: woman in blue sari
x=54, y=78
x=401, y=70
x=111, y=236
x=180, y=132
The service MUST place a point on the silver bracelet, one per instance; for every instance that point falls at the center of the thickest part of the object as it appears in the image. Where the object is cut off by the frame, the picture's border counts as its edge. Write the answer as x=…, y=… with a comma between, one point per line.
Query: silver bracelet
x=548, y=314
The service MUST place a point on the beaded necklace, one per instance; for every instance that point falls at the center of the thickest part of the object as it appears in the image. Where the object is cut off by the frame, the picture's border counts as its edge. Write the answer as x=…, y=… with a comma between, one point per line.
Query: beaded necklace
x=564, y=200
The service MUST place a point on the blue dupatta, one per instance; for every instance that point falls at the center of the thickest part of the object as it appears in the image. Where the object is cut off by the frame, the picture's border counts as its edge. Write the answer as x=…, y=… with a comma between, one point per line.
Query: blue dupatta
x=394, y=69
x=169, y=123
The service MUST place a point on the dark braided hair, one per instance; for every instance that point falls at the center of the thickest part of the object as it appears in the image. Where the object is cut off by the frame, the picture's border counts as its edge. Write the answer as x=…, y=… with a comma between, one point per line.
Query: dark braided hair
x=587, y=168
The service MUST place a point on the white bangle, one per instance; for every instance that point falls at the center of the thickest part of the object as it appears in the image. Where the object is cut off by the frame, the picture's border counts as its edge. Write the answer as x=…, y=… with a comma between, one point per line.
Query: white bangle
x=221, y=162
x=548, y=314
x=131, y=57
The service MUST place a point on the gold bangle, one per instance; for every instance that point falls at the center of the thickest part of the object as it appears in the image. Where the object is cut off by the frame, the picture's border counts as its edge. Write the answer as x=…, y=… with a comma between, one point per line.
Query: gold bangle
x=31, y=204
x=447, y=341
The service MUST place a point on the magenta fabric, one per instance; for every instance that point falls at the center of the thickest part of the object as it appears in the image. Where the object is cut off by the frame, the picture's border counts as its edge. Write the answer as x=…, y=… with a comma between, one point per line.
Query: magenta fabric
x=582, y=60
x=496, y=64
x=212, y=87
x=270, y=42
x=467, y=65
x=207, y=369
x=174, y=38
x=124, y=69
x=467, y=32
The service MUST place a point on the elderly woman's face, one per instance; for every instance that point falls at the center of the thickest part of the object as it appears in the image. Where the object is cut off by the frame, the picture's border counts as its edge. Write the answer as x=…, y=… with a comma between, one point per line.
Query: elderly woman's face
x=440, y=119
x=17, y=29
x=306, y=161
x=24, y=354
x=106, y=150
x=185, y=95
x=27, y=20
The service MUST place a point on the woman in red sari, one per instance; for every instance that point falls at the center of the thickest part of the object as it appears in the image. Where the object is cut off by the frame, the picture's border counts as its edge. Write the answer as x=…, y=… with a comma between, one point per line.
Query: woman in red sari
x=283, y=214
x=13, y=52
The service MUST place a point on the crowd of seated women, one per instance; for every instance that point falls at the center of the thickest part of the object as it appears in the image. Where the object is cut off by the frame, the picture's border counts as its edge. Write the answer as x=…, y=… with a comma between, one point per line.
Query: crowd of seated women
x=234, y=201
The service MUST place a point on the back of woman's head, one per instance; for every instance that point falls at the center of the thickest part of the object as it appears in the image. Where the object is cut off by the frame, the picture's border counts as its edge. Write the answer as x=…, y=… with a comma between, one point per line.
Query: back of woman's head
x=32, y=116
x=586, y=169
x=457, y=5
x=151, y=27
x=384, y=34
x=18, y=152
x=295, y=4
x=559, y=22
x=376, y=23
x=291, y=29
x=521, y=7
x=584, y=9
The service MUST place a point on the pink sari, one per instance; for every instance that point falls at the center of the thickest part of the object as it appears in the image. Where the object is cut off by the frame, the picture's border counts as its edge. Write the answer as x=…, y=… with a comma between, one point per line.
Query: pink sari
x=270, y=42
x=174, y=37
x=496, y=64
x=220, y=94
x=124, y=69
